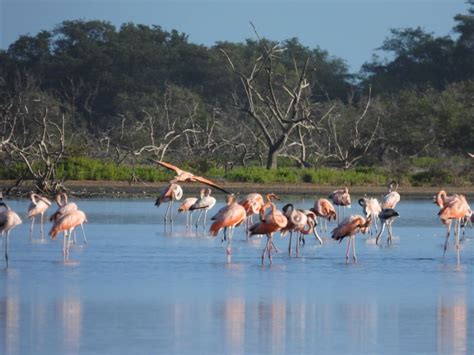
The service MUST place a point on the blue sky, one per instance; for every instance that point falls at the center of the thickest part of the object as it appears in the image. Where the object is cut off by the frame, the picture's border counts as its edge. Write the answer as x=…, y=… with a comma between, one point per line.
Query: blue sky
x=348, y=29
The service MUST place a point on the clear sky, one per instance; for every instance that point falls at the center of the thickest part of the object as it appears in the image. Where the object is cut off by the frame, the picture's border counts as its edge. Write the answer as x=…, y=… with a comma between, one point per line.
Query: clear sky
x=348, y=29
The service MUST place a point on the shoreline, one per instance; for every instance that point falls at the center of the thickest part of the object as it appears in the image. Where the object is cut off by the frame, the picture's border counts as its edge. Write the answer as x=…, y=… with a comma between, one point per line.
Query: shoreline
x=123, y=189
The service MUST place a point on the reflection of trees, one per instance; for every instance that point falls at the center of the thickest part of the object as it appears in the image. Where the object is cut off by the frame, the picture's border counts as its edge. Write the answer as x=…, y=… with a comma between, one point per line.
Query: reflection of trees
x=452, y=318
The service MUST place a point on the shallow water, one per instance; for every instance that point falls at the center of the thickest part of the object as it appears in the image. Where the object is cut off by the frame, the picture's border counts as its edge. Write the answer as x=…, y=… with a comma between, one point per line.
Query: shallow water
x=136, y=289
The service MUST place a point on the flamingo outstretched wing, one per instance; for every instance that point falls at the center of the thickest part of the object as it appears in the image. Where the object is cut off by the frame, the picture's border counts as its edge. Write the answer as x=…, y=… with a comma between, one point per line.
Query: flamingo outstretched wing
x=209, y=182
x=169, y=166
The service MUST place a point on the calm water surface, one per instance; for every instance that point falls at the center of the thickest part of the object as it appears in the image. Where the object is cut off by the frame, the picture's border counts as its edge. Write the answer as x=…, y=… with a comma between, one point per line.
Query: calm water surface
x=138, y=289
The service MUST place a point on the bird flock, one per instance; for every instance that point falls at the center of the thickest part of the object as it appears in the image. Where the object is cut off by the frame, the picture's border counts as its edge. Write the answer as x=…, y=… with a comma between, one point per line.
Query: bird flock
x=65, y=219
x=375, y=218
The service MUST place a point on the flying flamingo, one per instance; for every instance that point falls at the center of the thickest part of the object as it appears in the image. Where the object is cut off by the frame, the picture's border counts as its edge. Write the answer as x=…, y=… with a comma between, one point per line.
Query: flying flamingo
x=268, y=225
x=66, y=224
x=8, y=220
x=341, y=197
x=184, y=207
x=186, y=176
x=391, y=199
x=349, y=227
x=386, y=216
x=169, y=193
x=253, y=204
x=324, y=209
x=38, y=206
x=228, y=217
x=456, y=209
x=371, y=207
x=204, y=203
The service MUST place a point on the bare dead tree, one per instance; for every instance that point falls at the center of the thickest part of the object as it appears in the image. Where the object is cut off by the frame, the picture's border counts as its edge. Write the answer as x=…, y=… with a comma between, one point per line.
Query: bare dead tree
x=277, y=104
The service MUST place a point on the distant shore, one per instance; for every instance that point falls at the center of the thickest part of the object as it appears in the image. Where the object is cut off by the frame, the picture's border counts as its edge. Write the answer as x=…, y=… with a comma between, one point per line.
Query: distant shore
x=123, y=189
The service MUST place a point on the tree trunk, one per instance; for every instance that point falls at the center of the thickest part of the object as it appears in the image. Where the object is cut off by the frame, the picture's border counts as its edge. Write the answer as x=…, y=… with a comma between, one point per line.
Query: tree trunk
x=272, y=158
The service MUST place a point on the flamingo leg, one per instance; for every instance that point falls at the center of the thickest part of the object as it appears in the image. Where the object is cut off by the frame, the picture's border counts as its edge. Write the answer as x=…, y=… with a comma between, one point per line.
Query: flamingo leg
x=265, y=249
x=298, y=236
x=448, y=228
x=205, y=217
x=348, y=248
x=354, y=257
x=167, y=211
x=7, y=236
x=229, y=244
x=457, y=232
x=171, y=211
x=31, y=227
x=64, y=245
x=380, y=233
x=84, y=234
x=42, y=226
x=199, y=218
x=270, y=248
x=289, y=244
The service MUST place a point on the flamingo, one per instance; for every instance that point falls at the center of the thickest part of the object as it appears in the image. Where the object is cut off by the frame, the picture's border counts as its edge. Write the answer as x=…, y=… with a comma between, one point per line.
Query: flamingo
x=442, y=199
x=371, y=207
x=268, y=225
x=324, y=209
x=169, y=193
x=386, y=216
x=456, y=209
x=184, y=207
x=253, y=204
x=297, y=222
x=66, y=224
x=349, y=227
x=65, y=207
x=186, y=176
x=391, y=199
x=8, y=220
x=38, y=206
x=228, y=217
x=471, y=155
x=341, y=197
x=204, y=203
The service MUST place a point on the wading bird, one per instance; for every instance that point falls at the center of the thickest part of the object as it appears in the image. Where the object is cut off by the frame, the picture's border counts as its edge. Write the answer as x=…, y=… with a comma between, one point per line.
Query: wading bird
x=324, y=209
x=184, y=207
x=391, y=199
x=38, y=206
x=8, y=220
x=457, y=210
x=371, y=207
x=300, y=221
x=387, y=216
x=341, y=197
x=253, y=204
x=63, y=206
x=186, y=176
x=169, y=193
x=349, y=227
x=268, y=225
x=204, y=203
x=66, y=224
x=228, y=217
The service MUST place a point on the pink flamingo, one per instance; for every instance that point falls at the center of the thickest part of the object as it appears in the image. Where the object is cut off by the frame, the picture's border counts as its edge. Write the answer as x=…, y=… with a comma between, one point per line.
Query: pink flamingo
x=186, y=176
x=268, y=225
x=38, y=206
x=169, y=193
x=391, y=199
x=8, y=220
x=300, y=221
x=228, y=217
x=371, y=207
x=65, y=207
x=456, y=209
x=324, y=209
x=253, y=204
x=66, y=224
x=341, y=197
x=349, y=227
x=184, y=207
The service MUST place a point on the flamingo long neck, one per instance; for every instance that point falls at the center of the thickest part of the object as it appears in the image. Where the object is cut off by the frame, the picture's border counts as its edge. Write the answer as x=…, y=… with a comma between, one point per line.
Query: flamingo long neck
x=33, y=198
x=4, y=205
